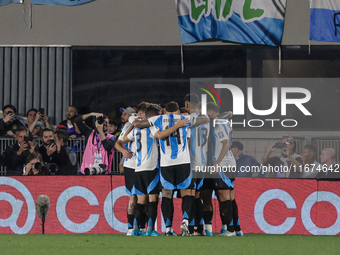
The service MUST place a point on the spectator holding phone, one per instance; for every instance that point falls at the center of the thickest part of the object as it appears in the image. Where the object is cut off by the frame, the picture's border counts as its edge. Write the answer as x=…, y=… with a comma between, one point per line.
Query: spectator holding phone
x=287, y=164
x=33, y=117
x=9, y=124
x=49, y=146
x=16, y=155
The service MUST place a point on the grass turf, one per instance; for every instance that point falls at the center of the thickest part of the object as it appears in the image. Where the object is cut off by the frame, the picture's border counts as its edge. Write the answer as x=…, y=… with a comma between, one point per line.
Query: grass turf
x=120, y=244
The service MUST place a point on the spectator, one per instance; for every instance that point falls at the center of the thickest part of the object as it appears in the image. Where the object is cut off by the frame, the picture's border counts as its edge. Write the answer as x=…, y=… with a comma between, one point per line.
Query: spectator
x=64, y=157
x=329, y=170
x=112, y=127
x=49, y=146
x=285, y=161
x=310, y=165
x=126, y=114
x=33, y=116
x=16, y=155
x=9, y=125
x=71, y=128
x=99, y=143
x=33, y=164
x=245, y=161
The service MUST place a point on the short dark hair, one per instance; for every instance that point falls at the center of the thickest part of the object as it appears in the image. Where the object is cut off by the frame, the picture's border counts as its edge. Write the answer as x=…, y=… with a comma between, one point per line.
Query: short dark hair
x=312, y=150
x=152, y=110
x=9, y=106
x=113, y=122
x=142, y=106
x=47, y=130
x=21, y=128
x=183, y=110
x=192, y=98
x=171, y=106
x=62, y=134
x=212, y=107
x=75, y=107
x=32, y=156
x=31, y=110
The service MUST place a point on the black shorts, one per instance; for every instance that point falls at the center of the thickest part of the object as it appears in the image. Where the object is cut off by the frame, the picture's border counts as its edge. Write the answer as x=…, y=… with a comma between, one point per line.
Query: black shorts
x=198, y=182
x=218, y=183
x=177, y=177
x=129, y=175
x=147, y=182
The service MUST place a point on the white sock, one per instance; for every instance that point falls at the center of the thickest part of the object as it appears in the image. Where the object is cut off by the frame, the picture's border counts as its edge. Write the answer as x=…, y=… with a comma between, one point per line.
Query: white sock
x=208, y=227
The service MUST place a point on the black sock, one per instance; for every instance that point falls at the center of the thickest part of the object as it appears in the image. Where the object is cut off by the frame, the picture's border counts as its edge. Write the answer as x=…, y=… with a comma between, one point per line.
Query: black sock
x=199, y=215
x=235, y=217
x=167, y=211
x=138, y=215
x=152, y=213
x=130, y=220
x=226, y=209
x=188, y=208
x=207, y=216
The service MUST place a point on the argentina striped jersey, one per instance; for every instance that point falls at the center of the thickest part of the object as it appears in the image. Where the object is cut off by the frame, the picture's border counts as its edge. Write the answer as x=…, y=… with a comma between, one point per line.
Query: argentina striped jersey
x=130, y=163
x=174, y=149
x=146, y=154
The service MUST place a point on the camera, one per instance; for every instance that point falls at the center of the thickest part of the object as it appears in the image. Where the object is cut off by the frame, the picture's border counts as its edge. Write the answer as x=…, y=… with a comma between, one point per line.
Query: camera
x=37, y=165
x=48, y=169
x=27, y=139
x=280, y=145
x=96, y=170
x=100, y=120
x=10, y=112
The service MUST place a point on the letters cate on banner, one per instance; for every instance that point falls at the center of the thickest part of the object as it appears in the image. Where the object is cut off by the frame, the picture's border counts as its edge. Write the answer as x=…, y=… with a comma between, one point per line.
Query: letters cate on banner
x=325, y=20
x=243, y=21
x=61, y=2
x=5, y=2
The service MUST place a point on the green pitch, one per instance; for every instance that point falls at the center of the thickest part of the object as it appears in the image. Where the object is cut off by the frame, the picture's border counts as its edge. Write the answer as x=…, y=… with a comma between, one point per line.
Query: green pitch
x=121, y=244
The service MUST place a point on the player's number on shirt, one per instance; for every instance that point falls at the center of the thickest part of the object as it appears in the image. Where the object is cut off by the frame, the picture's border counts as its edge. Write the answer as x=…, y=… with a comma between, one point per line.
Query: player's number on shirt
x=139, y=144
x=175, y=134
x=204, y=132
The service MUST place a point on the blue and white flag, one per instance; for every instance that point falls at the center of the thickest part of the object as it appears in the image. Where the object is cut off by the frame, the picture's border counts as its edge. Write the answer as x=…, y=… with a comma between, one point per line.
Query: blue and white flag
x=242, y=21
x=61, y=2
x=325, y=20
x=5, y=2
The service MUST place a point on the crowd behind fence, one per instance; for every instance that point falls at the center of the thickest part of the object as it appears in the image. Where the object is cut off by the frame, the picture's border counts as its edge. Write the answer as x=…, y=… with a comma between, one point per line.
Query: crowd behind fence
x=252, y=146
x=78, y=145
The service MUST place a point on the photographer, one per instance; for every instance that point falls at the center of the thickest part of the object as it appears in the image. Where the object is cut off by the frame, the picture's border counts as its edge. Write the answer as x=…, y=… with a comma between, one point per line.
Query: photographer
x=16, y=154
x=288, y=162
x=9, y=125
x=33, y=164
x=99, y=143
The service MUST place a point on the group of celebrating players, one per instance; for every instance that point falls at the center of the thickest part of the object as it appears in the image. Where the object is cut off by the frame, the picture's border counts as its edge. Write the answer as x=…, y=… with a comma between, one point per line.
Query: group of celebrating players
x=161, y=153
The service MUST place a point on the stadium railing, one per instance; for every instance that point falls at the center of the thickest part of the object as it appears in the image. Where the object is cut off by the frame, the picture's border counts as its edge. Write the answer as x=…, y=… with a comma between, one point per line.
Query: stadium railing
x=78, y=145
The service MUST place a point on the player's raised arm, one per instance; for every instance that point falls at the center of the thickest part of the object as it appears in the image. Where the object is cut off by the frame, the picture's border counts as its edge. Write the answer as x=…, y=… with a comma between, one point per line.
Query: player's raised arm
x=165, y=133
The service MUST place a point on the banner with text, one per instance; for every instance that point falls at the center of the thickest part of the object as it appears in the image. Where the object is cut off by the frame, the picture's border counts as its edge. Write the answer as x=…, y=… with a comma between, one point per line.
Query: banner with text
x=97, y=205
x=246, y=21
x=325, y=20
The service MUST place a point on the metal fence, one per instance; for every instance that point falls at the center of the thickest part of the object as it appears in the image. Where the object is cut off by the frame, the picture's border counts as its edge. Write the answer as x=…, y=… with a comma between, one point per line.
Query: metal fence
x=78, y=145
x=252, y=146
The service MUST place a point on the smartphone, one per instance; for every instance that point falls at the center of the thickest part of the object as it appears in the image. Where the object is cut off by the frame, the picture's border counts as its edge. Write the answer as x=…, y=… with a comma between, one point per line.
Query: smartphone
x=42, y=111
x=26, y=139
x=52, y=141
x=280, y=145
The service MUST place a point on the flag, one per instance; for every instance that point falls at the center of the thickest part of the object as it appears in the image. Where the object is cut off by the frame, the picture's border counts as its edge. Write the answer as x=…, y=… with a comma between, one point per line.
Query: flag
x=61, y=2
x=325, y=20
x=242, y=21
x=5, y=2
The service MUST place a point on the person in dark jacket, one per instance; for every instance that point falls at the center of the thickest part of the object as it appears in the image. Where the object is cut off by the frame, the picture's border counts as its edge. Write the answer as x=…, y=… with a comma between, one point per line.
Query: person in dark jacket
x=16, y=155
